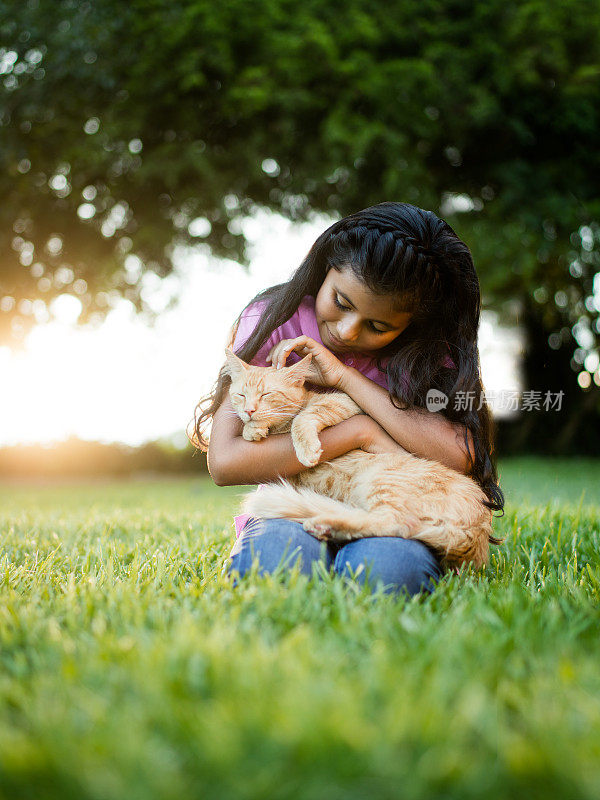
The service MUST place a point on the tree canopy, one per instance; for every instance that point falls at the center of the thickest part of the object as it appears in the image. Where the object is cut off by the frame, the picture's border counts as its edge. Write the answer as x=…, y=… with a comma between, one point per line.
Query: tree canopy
x=130, y=128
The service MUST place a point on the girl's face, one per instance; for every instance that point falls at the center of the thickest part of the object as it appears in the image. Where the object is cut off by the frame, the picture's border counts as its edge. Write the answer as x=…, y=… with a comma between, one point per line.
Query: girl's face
x=352, y=317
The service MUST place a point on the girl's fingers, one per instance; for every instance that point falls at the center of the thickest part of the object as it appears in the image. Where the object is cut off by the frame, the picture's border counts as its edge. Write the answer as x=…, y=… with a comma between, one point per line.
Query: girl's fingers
x=284, y=355
x=279, y=354
x=276, y=356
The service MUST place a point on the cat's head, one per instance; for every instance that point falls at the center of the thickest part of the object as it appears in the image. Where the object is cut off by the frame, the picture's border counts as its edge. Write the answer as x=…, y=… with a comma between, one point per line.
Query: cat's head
x=266, y=393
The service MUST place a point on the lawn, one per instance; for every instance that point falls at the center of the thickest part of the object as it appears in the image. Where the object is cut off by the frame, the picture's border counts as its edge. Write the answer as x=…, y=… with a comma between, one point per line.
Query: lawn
x=131, y=668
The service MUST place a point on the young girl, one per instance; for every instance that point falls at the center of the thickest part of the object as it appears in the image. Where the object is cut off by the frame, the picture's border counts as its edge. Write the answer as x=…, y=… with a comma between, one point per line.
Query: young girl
x=387, y=301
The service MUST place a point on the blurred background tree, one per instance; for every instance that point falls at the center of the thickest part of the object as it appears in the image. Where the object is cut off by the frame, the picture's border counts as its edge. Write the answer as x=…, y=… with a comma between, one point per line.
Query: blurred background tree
x=131, y=128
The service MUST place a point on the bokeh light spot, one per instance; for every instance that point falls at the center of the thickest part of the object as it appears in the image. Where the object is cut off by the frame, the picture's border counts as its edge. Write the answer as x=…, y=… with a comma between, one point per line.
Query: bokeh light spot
x=199, y=227
x=66, y=308
x=86, y=211
x=271, y=167
x=92, y=125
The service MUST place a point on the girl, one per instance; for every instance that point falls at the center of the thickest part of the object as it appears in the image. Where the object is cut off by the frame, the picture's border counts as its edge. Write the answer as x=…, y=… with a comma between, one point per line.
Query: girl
x=388, y=302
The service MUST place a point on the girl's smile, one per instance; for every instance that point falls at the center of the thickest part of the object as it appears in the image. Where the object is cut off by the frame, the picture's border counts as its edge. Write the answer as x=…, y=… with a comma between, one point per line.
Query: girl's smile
x=352, y=317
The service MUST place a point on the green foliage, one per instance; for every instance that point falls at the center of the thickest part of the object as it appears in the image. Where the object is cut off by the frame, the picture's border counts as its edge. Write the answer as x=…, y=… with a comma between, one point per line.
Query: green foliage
x=353, y=103
x=132, y=668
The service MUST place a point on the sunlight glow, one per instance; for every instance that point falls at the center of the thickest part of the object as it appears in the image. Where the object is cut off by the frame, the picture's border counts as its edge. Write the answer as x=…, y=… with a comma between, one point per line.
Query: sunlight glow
x=65, y=308
x=125, y=381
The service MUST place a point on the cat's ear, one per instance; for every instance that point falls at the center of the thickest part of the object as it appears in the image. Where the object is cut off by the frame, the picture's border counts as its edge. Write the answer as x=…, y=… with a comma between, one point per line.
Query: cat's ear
x=234, y=366
x=297, y=373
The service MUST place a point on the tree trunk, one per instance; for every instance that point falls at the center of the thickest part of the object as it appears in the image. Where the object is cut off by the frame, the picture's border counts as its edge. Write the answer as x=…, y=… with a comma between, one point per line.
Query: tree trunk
x=575, y=428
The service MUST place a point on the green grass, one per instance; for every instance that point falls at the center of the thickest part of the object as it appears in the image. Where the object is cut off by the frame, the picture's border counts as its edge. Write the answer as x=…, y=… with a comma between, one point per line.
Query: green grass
x=130, y=667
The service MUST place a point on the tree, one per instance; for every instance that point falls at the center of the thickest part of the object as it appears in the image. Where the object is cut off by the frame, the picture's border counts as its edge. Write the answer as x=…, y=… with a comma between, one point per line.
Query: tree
x=130, y=129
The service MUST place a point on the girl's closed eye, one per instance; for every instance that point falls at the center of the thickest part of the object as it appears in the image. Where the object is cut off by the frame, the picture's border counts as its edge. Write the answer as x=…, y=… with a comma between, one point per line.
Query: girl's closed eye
x=342, y=307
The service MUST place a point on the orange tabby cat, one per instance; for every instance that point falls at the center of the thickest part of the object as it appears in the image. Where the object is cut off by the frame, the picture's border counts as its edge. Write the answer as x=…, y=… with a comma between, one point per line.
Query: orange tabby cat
x=358, y=494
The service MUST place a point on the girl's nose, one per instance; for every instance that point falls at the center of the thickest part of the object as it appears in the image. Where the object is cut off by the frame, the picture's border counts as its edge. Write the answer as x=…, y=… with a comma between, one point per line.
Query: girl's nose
x=348, y=330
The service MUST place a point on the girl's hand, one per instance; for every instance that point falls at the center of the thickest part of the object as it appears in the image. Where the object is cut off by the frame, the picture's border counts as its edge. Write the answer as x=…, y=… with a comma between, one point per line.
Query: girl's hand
x=325, y=368
x=376, y=439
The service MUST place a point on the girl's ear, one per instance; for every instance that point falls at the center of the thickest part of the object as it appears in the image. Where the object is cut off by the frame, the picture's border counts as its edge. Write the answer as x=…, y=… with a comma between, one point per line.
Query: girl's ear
x=234, y=366
x=297, y=372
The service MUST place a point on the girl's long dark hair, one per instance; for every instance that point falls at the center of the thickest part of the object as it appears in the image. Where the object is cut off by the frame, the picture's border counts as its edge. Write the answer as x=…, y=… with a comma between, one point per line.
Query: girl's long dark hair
x=399, y=249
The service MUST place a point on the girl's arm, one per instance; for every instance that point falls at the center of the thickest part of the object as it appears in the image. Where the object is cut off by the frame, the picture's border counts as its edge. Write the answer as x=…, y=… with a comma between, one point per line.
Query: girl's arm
x=426, y=434
x=233, y=461
x=421, y=432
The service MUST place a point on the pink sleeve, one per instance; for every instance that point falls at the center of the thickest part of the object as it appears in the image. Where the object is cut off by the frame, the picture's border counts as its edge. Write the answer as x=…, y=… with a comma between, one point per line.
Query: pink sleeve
x=239, y=521
x=448, y=362
x=246, y=326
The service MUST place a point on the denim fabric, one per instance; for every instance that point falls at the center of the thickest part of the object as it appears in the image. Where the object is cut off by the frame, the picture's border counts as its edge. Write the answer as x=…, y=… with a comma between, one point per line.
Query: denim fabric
x=399, y=564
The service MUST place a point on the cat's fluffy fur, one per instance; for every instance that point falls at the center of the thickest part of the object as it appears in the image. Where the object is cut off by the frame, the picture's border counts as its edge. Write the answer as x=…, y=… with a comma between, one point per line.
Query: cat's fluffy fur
x=358, y=494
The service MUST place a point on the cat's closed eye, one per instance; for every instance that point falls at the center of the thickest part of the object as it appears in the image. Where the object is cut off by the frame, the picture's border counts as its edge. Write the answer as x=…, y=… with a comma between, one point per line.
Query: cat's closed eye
x=240, y=396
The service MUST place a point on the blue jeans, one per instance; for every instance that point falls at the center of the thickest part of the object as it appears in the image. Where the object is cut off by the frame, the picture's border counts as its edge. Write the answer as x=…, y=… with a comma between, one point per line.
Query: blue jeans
x=399, y=564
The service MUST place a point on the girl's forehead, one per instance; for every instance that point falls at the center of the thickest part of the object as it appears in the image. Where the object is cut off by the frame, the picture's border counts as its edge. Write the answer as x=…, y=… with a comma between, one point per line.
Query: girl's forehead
x=363, y=298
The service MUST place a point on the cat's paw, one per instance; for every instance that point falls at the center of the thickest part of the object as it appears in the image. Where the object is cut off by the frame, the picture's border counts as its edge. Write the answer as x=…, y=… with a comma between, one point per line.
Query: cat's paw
x=306, y=442
x=321, y=530
x=309, y=456
x=253, y=432
x=328, y=531
x=308, y=450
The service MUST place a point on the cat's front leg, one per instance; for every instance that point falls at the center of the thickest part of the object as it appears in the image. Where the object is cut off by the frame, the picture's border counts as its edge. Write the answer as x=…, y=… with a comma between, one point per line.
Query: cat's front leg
x=306, y=440
x=321, y=412
x=255, y=431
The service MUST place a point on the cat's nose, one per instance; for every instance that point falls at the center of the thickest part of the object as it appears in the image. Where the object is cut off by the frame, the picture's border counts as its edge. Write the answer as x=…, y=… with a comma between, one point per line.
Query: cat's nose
x=249, y=410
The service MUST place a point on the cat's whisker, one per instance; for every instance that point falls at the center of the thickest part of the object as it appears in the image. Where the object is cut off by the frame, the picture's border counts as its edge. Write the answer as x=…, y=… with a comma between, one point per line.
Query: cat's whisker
x=286, y=407
x=269, y=412
x=280, y=409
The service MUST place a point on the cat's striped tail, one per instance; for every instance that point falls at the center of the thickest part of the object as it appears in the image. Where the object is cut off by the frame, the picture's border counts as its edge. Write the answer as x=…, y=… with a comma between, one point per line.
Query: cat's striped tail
x=282, y=500
x=338, y=521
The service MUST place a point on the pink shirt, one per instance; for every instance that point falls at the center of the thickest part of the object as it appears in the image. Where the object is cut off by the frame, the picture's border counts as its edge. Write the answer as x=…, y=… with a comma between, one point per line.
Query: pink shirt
x=302, y=323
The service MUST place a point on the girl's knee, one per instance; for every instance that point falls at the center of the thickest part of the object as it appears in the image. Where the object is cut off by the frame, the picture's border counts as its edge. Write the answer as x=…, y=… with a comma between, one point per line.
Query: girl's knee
x=399, y=564
x=275, y=543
